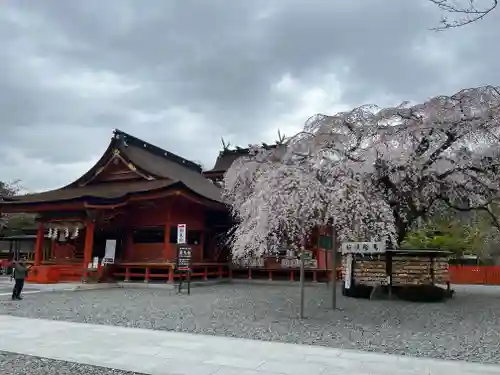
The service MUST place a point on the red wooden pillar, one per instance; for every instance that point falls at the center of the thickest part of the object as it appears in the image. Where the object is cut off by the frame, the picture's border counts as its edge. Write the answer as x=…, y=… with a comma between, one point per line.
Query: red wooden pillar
x=40, y=237
x=89, y=245
x=166, y=250
x=170, y=275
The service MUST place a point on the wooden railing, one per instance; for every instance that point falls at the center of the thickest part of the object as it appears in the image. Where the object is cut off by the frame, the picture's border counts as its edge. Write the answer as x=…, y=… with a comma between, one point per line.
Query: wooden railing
x=166, y=271
x=290, y=274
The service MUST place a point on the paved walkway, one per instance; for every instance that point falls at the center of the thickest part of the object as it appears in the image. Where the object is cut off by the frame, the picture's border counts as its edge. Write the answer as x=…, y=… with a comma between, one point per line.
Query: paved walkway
x=6, y=285
x=169, y=353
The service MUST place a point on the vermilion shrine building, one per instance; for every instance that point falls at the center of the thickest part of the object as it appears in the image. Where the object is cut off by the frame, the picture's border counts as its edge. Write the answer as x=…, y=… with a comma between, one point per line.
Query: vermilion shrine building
x=137, y=194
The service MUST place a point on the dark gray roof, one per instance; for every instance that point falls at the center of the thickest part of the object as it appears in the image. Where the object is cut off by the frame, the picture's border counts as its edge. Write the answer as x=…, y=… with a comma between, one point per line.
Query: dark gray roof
x=166, y=169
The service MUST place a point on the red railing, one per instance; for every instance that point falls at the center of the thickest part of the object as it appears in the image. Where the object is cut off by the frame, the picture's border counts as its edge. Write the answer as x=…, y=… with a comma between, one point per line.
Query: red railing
x=485, y=275
x=165, y=271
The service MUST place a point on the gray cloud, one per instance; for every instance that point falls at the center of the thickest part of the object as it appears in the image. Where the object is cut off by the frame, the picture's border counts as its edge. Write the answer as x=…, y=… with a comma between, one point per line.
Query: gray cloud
x=183, y=74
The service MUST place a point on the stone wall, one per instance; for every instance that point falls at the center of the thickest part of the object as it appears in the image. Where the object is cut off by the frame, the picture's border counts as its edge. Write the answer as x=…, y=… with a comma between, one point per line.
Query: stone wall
x=371, y=270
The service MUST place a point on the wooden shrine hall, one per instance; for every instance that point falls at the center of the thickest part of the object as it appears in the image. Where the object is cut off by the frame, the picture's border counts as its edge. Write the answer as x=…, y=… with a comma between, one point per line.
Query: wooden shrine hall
x=135, y=195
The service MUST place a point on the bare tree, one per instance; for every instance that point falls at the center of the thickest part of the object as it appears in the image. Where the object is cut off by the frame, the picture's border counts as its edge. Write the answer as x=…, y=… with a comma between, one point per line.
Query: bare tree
x=462, y=12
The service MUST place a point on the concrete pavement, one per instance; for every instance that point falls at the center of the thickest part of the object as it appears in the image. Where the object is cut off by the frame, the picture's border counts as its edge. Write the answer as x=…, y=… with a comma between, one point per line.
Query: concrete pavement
x=167, y=353
x=6, y=285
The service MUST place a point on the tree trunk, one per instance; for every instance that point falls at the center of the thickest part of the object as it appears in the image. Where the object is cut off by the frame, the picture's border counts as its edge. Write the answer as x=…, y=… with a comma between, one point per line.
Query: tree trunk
x=301, y=313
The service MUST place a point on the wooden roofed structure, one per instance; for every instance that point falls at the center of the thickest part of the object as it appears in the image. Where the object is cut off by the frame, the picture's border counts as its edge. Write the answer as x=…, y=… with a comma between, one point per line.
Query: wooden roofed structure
x=136, y=194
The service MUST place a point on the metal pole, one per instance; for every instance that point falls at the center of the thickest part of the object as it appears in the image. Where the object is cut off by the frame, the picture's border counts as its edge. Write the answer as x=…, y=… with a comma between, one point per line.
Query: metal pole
x=334, y=269
x=301, y=315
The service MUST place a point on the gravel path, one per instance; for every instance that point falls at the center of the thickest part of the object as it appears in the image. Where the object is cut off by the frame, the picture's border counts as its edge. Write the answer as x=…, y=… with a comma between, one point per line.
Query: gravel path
x=466, y=327
x=15, y=364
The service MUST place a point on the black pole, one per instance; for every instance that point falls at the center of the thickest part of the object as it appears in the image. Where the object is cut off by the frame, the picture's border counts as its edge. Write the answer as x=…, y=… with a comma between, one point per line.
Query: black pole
x=334, y=269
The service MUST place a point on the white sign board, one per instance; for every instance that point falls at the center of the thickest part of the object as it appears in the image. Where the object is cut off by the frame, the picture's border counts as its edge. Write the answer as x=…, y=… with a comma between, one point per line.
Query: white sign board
x=181, y=233
x=348, y=271
x=109, y=253
x=363, y=247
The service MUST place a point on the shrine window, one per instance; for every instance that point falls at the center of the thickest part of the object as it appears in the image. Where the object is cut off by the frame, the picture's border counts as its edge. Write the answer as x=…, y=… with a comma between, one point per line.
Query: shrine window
x=193, y=236
x=149, y=235
x=173, y=234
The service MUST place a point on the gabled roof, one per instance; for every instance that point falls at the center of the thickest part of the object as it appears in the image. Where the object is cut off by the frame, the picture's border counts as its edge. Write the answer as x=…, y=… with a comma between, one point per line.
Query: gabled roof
x=227, y=157
x=156, y=169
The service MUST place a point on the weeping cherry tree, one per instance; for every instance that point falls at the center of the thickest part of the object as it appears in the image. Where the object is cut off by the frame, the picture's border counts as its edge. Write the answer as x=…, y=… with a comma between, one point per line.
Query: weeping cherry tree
x=370, y=172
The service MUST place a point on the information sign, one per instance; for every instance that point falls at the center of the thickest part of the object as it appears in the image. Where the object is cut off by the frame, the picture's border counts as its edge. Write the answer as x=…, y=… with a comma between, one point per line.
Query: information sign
x=181, y=233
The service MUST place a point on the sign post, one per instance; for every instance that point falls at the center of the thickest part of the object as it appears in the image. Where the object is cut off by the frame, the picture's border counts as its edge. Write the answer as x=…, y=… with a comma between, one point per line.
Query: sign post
x=183, y=265
x=184, y=255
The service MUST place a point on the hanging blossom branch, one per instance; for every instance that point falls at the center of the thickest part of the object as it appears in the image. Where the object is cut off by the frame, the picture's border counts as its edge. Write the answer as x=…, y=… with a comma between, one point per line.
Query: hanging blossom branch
x=467, y=13
x=371, y=172
x=7, y=190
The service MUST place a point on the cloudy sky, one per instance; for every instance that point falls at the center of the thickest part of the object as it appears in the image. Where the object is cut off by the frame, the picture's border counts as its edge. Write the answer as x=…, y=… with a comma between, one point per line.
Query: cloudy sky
x=181, y=74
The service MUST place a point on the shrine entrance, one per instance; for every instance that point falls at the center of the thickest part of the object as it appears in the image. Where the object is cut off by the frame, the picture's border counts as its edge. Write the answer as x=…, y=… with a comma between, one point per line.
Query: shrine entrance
x=111, y=226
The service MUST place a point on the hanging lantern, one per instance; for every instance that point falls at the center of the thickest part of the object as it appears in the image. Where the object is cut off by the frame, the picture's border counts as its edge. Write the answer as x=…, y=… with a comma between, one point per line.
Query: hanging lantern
x=55, y=233
x=76, y=232
x=66, y=232
x=50, y=233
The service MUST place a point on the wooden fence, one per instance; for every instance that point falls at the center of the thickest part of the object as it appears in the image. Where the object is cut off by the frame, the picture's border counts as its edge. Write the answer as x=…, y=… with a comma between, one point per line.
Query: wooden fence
x=486, y=275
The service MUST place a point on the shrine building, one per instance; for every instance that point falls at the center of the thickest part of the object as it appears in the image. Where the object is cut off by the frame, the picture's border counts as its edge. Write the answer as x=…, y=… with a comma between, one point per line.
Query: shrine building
x=135, y=195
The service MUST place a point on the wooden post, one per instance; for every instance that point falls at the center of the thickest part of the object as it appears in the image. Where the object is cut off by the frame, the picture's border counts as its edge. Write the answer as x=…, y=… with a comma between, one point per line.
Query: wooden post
x=39, y=244
x=166, y=250
x=334, y=269
x=88, y=247
x=302, y=275
x=170, y=275
x=389, y=270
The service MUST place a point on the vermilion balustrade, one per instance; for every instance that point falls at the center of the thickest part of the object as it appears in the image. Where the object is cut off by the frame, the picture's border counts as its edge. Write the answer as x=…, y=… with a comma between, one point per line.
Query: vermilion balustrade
x=486, y=275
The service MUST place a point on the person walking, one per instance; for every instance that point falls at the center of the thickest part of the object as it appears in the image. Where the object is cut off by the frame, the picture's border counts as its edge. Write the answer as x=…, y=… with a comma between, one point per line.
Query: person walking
x=20, y=273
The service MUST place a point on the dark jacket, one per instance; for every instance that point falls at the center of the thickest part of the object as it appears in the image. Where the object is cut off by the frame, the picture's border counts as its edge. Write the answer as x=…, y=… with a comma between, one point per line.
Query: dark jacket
x=20, y=271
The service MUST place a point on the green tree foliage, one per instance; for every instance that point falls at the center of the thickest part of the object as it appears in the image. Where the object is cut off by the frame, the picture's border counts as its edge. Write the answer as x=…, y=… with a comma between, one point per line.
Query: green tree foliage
x=473, y=234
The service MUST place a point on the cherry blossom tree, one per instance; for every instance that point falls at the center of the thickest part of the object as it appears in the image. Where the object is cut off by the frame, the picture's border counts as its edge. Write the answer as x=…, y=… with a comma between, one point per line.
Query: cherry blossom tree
x=370, y=172
x=443, y=152
x=463, y=12
x=278, y=196
x=7, y=190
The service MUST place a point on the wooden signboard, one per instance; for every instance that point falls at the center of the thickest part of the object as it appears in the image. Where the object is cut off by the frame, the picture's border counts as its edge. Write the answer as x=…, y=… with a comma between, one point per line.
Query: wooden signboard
x=183, y=258
x=183, y=265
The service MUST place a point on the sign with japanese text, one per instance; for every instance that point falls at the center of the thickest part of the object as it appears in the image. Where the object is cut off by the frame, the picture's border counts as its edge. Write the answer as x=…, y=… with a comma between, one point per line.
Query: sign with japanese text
x=363, y=247
x=184, y=254
x=181, y=233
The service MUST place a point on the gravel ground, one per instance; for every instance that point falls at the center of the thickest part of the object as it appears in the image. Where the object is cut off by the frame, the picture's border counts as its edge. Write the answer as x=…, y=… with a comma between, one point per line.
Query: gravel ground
x=15, y=364
x=466, y=327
